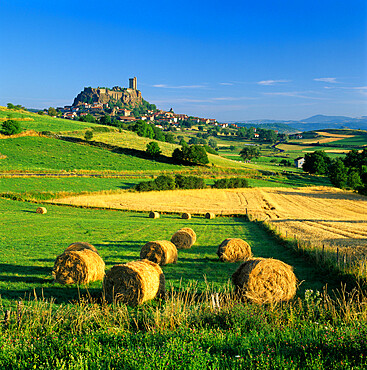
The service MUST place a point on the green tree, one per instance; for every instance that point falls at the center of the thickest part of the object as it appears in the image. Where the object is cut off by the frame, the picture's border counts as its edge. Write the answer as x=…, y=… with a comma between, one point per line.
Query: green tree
x=338, y=173
x=88, y=135
x=87, y=118
x=143, y=129
x=170, y=138
x=213, y=143
x=11, y=127
x=105, y=120
x=158, y=134
x=317, y=162
x=193, y=140
x=354, y=180
x=153, y=149
x=249, y=152
x=195, y=154
x=52, y=112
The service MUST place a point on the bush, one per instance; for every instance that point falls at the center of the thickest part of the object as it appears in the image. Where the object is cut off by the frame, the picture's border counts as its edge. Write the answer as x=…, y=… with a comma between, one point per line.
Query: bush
x=169, y=183
x=210, y=150
x=153, y=149
x=189, y=182
x=162, y=182
x=11, y=127
x=194, y=154
x=234, y=182
x=88, y=135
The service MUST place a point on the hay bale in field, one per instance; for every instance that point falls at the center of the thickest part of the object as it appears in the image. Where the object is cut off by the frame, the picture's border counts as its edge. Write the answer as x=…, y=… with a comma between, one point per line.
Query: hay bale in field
x=41, y=210
x=162, y=252
x=153, y=215
x=134, y=282
x=78, y=267
x=210, y=215
x=186, y=216
x=79, y=246
x=265, y=280
x=184, y=238
x=234, y=250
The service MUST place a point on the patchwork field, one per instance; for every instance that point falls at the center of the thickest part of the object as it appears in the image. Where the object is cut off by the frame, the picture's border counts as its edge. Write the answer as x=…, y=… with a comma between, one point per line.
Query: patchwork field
x=326, y=214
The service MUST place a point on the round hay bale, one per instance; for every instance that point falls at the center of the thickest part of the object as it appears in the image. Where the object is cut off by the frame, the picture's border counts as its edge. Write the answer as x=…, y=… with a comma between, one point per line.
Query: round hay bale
x=210, y=215
x=78, y=267
x=41, y=210
x=134, y=282
x=234, y=250
x=79, y=246
x=153, y=215
x=186, y=216
x=162, y=252
x=265, y=280
x=184, y=238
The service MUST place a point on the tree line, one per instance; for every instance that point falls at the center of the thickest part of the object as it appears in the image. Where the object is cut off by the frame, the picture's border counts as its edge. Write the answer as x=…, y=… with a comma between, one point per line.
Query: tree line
x=349, y=172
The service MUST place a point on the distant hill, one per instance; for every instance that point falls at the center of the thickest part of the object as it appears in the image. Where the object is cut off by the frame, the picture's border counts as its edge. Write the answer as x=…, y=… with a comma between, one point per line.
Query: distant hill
x=314, y=123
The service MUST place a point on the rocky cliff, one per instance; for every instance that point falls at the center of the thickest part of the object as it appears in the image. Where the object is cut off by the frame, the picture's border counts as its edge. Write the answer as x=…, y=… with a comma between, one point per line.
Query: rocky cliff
x=127, y=97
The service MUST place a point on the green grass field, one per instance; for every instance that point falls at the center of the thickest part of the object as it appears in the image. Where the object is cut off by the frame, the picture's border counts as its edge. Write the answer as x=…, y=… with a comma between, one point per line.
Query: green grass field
x=40, y=154
x=44, y=122
x=65, y=184
x=179, y=333
x=356, y=140
x=30, y=243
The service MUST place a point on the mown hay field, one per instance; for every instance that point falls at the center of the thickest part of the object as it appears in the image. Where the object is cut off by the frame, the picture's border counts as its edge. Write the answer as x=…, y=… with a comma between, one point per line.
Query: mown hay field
x=31, y=242
x=326, y=214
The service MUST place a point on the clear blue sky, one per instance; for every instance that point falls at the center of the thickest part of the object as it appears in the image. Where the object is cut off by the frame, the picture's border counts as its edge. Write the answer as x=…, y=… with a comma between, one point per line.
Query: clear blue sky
x=230, y=60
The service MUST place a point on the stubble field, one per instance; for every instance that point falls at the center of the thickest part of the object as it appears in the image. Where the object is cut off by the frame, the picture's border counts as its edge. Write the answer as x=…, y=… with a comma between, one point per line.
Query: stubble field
x=330, y=215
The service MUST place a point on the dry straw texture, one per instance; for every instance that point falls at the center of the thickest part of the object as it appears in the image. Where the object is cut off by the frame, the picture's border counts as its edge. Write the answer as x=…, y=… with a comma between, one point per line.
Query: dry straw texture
x=265, y=280
x=78, y=267
x=41, y=210
x=186, y=216
x=134, y=282
x=79, y=246
x=184, y=238
x=153, y=215
x=210, y=215
x=162, y=252
x=234, y=250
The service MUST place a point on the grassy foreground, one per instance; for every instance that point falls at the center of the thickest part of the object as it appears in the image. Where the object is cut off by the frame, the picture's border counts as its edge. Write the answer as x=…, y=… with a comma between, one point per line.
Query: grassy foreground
x=55, y=326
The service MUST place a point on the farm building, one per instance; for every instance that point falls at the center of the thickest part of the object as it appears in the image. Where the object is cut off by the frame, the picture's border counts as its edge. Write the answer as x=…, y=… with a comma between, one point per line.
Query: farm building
x=298, y=162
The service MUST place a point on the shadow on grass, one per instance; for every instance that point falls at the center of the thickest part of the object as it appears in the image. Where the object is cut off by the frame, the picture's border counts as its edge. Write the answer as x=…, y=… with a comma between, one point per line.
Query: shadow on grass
x=24, y=270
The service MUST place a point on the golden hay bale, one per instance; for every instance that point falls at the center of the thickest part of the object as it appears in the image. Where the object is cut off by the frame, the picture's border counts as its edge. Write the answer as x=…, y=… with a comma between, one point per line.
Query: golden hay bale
x=210, y=215
x=153, y=215
x=78, y=267
x=41, y=210
x=184, y=238
x=134, y=282
x=265, y=280
x=162, y=252
x=234, y=250
x=186, y=216
x=79, y=246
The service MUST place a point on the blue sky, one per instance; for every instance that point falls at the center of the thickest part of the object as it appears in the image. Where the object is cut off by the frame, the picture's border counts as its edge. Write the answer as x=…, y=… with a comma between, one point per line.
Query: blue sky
x=229, y=60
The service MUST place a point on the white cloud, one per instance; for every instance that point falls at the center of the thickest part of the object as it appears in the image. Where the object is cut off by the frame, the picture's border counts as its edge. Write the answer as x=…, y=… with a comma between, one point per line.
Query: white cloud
x=226, y=83
x=271, y=82
x=295, y=94
x=331, y=80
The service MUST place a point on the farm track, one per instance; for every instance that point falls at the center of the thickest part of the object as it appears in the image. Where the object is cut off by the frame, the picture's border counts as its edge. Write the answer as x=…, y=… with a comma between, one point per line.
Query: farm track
x=319, y=214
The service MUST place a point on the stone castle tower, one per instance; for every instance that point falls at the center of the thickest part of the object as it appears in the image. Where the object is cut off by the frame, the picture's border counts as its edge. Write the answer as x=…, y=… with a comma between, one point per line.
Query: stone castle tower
x=133, y=83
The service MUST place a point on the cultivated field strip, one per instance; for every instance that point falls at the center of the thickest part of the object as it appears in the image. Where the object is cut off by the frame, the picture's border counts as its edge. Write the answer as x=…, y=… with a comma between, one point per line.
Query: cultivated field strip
x=323, y=214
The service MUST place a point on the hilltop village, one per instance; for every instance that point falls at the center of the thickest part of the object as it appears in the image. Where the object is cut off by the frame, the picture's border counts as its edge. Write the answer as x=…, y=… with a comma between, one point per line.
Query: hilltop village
x=126, y=105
